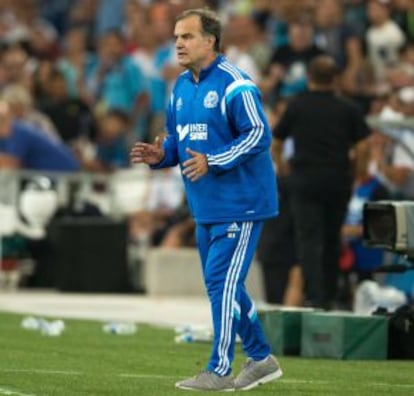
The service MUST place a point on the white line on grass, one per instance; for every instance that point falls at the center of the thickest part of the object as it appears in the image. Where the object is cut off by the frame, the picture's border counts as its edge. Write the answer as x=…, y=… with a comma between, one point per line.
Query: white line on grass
x=304, y=381
x=9, y=392
x=322, y=382
x=37, y=371
x=384, y=384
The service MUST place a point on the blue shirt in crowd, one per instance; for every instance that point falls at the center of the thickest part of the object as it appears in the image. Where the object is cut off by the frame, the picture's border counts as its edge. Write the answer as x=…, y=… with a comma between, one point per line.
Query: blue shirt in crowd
x=36, y=150
x=120, y=86
x=113, y=153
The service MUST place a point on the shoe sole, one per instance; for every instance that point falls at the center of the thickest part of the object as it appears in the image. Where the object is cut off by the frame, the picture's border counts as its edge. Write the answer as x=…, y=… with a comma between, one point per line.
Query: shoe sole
x=207, y=390
x=264, y=380
x=179, y=386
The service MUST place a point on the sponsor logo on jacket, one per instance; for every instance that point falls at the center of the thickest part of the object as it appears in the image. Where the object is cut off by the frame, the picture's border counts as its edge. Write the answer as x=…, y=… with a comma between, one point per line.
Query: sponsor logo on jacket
x=194, y=131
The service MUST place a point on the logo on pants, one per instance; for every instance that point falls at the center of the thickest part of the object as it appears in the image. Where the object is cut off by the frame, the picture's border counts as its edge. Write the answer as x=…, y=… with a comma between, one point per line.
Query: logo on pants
x=232, y=229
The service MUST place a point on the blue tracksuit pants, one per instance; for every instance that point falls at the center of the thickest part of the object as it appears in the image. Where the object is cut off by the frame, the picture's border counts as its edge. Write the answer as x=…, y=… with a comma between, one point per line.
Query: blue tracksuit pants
x=226, y=251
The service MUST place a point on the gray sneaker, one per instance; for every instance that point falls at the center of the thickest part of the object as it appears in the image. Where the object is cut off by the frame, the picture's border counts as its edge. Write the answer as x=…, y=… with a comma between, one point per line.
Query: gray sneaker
x=258, y=373
x=207, y=381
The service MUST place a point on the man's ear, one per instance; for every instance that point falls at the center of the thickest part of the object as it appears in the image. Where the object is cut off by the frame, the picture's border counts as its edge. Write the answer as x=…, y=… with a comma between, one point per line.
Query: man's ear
x=211, y=41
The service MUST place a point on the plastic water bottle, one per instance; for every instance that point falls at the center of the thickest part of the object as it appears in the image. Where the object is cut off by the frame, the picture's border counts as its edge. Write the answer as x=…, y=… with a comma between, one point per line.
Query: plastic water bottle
x=184, y=338
x=191, y=328
x=119, y=328
x=52, y=328
x=30, y=323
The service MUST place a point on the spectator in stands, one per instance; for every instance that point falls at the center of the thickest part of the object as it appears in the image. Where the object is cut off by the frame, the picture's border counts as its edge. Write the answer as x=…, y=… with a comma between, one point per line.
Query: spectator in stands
x=145, y=57
x=259, y=49
x=283, y=13
x=338, y=39
x=287, y=71
x=401, y=74
x=393, y=158
x=37, y=31
x=136, y=22
x=82, y=15
x=18, y=65
x=112, y=150
x=76, y=63
x=109, y=16
x=323, y=128
x=72, y=117
x=355, y=16
x=40, y=82
x=23, y=146
x=55, y=12
x=116, y=82
x=21, y=105
x=237, y=41
x=161, y=19
x=384, y=38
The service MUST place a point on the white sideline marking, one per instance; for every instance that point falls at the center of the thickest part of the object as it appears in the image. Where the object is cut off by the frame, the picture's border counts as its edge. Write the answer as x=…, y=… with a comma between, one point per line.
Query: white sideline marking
x=304, y=381
x=322, y=382
x=393, y=385
x=38, y=371
x=8, y=392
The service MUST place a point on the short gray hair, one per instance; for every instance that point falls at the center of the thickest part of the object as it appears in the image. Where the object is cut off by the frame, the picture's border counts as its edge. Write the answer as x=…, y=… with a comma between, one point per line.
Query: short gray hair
x=210, y=23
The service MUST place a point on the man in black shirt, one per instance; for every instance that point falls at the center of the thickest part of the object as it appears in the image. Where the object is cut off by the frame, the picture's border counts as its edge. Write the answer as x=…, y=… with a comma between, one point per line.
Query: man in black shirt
x=323, y=128
x=72, y=116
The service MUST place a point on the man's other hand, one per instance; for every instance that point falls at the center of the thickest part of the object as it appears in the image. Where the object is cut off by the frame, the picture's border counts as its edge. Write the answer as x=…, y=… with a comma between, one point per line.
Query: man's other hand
x=196, y=166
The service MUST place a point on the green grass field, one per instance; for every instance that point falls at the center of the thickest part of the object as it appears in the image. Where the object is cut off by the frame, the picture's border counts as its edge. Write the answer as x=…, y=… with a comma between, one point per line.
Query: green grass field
x=86, y=361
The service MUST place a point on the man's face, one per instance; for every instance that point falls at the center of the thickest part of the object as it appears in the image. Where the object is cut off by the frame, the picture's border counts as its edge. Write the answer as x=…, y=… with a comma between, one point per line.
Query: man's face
x=111, y=127
x=193, y=49
x=57, y=87
x=111, y=49
x=300, y=36
x=377, y=12
x=76, y=40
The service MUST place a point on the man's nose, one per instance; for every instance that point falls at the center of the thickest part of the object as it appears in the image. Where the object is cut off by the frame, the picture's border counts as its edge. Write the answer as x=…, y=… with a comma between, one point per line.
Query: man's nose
x=179, y=43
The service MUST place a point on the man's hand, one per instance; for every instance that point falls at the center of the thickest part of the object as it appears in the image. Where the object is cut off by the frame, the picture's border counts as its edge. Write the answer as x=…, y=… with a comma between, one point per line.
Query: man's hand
x=195, y=167
x=146, y=153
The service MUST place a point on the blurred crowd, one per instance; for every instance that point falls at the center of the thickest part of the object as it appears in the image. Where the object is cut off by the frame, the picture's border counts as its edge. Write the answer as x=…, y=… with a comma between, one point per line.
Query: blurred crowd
x=93, y=76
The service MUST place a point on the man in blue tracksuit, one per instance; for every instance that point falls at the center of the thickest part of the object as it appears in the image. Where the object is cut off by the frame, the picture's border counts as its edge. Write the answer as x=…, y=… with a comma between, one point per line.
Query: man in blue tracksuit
x=219, y=136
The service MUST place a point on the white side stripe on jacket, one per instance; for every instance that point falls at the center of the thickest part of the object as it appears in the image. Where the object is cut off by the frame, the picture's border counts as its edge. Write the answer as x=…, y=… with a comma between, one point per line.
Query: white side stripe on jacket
x=257, y=125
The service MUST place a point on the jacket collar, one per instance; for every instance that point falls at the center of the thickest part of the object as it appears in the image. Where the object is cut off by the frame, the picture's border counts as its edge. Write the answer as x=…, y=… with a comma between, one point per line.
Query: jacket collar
x=207, y=70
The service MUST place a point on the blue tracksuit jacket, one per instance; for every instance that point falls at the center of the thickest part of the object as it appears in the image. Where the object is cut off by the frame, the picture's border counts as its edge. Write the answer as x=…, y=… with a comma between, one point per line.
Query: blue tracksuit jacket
x=222, y=117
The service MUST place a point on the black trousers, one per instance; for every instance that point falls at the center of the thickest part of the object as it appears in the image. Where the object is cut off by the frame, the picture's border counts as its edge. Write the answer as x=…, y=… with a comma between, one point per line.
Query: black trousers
x=276, y=248
x=318, y=215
